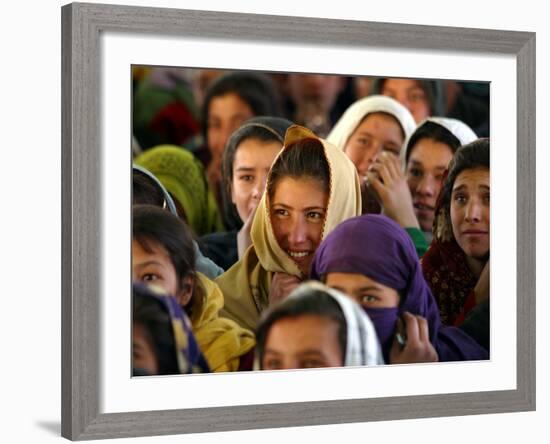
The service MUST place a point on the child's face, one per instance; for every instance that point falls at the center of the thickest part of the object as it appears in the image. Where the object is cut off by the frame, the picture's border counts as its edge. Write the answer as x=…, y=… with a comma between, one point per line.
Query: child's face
x=156, y=267
x=410, y=94
x=225, y=114
x=143, y=351
x=425, y=169
x=308, y=341
x=471, y=211
x=363, y=290
x=377, y=133
x=253, y=158
x=298, y=212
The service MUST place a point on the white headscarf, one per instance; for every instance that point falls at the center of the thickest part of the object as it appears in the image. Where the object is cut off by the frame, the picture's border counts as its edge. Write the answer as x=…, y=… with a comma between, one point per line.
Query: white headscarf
x=362, y=345
x=459, y=129
x=355, y=114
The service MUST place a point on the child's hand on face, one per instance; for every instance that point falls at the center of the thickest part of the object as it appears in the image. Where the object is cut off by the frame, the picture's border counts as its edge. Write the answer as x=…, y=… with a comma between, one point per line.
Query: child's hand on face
x=281, y=286
x=418, y=347
x=390, y=185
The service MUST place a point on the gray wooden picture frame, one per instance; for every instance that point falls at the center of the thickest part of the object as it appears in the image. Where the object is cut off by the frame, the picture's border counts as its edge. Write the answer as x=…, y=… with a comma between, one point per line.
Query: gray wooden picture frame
x=81, y=231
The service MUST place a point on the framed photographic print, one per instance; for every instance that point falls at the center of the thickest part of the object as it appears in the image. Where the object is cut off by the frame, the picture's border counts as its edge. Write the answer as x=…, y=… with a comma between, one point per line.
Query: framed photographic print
x=101, y=44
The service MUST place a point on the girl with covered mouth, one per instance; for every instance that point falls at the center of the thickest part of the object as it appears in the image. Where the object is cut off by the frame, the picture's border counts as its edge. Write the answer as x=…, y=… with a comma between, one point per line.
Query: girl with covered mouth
x=311, y=188
x=373, y=261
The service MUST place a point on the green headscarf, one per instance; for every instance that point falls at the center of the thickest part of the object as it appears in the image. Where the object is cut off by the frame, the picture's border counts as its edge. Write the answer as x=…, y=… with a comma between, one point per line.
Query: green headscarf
x=183, y=176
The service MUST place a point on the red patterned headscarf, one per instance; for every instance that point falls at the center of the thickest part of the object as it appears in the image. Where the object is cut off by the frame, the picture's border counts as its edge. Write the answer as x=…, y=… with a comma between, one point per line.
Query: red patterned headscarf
x=444, y=264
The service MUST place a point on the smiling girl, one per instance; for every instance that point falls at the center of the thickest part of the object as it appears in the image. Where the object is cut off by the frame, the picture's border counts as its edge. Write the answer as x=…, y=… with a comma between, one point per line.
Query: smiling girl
x=311, y=187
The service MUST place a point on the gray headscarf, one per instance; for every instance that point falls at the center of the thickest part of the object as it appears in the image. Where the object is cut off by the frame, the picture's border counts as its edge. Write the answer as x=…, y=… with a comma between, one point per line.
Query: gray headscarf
x=203, y=264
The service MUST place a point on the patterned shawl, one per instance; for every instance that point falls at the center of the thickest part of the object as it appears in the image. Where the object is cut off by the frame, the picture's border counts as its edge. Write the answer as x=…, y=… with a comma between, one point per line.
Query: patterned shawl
x=188, y=354
x=446, y=271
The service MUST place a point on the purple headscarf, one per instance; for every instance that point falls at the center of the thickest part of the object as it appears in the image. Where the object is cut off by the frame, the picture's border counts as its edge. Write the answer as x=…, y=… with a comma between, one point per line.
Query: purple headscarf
x=377, y=247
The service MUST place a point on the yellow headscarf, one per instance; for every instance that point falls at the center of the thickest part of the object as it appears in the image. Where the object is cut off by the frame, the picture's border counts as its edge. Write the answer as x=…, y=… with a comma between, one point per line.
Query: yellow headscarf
x=246, y=285
x=221, y=340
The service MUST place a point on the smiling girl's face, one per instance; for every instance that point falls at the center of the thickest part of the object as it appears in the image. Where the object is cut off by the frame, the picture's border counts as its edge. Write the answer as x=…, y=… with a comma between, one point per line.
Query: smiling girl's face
x=298, y=210
x=363, y=290
x=152, y=265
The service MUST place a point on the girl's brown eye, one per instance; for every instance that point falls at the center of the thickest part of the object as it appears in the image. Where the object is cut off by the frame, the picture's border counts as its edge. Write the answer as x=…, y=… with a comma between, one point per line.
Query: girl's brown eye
x=460, y=198
x=314, y=215
x=415, y=172
x=280, y=212
x=368, y=298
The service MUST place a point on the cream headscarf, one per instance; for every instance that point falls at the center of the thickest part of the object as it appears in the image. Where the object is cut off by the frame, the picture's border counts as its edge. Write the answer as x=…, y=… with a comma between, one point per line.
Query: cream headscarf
x=355, y=114
x=246, y=285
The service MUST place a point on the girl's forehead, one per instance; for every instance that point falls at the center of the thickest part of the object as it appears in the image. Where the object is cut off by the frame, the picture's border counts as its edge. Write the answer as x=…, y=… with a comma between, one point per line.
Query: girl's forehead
x=149, y=245
x=302, y=191
x=474, y=174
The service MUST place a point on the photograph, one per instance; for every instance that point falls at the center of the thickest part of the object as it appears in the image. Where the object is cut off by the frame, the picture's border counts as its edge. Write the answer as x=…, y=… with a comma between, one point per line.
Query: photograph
x=296, y=220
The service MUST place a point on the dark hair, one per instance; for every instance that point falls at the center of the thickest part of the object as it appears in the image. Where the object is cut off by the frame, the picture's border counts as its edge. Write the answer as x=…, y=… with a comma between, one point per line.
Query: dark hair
x=152, y=225
x=257, y=90
x=264, y=129
x=472, y=155
x=433, y=131
x=432, y=88
x=315, y=302
x=305, y=158
x=145, y=190
x=149, y=312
